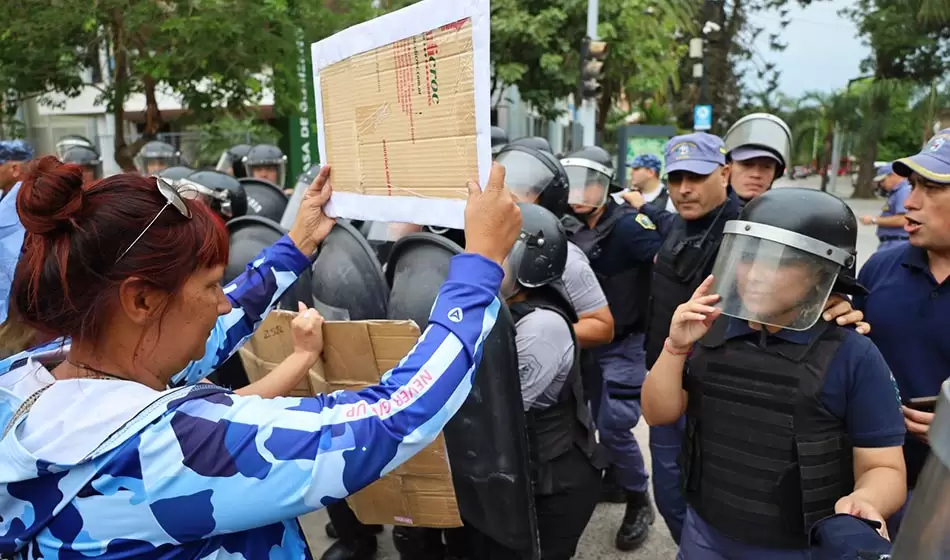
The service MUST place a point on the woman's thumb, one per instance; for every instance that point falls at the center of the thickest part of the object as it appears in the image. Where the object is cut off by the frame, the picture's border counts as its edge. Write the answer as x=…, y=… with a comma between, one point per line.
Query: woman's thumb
x=301, y=307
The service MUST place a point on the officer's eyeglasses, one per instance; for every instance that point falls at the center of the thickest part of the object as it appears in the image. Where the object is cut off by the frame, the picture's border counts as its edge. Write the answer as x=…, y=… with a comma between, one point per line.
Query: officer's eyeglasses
x=175, y=194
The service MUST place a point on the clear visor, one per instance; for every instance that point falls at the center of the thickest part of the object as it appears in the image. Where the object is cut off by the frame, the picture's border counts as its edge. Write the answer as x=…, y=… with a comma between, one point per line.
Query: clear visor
x=225, y=163
x=589, y=187
x=273, y=172
x=510, y=285
x=770, y=283
x=525, y=175
x=153, y=165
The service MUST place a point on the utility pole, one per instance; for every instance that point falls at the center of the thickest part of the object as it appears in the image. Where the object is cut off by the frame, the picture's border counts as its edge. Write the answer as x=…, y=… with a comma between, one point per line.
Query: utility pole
x=588, y=112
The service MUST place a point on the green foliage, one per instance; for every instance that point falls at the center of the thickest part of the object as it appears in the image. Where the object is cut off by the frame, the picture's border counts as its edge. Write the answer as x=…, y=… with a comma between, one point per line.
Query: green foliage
x=228, y=130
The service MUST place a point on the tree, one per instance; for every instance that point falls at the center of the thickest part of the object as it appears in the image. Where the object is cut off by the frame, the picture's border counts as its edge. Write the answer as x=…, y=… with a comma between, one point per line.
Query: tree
x=904, y=51
x=824, y=113
x=211, y=54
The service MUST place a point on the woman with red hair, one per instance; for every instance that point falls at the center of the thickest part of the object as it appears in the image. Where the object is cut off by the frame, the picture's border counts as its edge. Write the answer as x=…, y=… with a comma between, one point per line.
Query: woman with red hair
x=100, y=457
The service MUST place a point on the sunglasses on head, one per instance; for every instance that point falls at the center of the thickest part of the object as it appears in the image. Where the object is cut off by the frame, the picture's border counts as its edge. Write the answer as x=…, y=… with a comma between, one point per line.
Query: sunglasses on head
x=175, y=194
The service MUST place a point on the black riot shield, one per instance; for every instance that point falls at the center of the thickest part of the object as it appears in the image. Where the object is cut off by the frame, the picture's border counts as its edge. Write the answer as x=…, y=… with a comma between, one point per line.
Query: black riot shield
x=249, y=235
x=347, y=280
x=264, y=199
x=486, y=440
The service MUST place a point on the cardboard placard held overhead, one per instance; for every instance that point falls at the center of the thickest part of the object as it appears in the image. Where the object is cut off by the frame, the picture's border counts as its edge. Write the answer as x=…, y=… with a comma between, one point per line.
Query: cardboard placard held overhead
x=355, y=355
x=403, y=112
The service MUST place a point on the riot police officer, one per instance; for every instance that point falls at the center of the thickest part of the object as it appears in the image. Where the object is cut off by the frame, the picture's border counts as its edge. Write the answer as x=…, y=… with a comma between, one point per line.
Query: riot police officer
x=620, y=244
x=499, y=138
x=231, y=160
x=176, y=172
x=88, y=158
x=560, y=429
x=157, y=156
x=759, y=148
x=789, y=418
x=266, y=162
x=223, y=193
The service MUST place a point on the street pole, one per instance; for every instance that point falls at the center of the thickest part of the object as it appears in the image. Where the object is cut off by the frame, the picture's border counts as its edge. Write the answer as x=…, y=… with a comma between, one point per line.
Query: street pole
x=588, y=111
x=835, y=158
x=704, y=82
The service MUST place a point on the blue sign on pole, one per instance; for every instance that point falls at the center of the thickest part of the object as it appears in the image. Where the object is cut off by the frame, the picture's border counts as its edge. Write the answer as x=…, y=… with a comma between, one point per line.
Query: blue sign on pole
x=702, y=117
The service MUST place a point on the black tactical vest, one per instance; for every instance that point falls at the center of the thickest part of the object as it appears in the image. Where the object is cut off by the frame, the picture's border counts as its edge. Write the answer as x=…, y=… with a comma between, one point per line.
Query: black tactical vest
x=553, y=431
x=682, y=263
x=763, y=459
x=627, y=292
x=661, y=199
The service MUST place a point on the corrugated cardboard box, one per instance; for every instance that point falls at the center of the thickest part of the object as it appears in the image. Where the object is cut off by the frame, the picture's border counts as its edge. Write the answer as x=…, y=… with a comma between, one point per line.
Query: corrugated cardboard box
x=355, y=355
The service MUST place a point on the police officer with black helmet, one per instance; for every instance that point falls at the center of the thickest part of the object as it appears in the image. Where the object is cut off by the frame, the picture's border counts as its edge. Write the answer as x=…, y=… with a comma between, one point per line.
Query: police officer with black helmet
x=176, y=172
x=499, y=138
x=621, y=244
x=266, y=162
x=789, y=418
x=157, y=156
x=231, y=162
x=222, y=192
x=86, y=157
x=69, y=141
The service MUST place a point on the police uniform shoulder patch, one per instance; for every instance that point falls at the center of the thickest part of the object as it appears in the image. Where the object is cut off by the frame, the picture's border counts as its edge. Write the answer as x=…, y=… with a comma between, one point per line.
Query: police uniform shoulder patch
x=645, y=222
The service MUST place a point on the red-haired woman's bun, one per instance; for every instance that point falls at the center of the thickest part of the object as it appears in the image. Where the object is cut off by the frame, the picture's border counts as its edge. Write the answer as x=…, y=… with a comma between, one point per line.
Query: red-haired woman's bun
x=51, y=197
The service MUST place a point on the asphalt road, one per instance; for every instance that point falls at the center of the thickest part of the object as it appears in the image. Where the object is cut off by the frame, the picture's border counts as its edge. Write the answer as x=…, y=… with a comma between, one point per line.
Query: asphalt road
x=597, y=542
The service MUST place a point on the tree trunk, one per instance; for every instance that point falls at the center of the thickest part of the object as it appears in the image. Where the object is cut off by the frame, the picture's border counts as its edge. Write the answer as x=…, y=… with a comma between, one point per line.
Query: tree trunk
x=875, y=130
x=826, y=158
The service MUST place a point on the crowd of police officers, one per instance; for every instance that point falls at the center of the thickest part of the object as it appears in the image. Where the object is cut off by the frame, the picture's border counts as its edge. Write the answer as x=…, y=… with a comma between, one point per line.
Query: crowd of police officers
x=611, y=311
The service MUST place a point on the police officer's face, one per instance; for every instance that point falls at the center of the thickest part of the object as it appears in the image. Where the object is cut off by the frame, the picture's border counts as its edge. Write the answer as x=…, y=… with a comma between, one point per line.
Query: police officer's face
x=891, y=181
x=772, y=289
x=268, y=173
x=594, y=197
x=641, y=175
x=155, y=166
x=928, y=214
x=10, y=173
x=752, y=177
x=88, y=175
x=697, y=195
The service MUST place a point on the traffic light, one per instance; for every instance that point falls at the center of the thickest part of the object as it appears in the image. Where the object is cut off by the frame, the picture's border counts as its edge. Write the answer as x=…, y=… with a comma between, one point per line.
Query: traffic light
x=593, y=54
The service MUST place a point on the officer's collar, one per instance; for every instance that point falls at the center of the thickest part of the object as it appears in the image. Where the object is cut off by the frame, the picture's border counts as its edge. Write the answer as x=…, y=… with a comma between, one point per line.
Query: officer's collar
x=740, y=327
x=916, y=257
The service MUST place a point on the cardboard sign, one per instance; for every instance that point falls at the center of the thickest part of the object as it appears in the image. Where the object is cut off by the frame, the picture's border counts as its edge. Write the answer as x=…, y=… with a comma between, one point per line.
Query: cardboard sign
x=355, y=355
x=403, y=112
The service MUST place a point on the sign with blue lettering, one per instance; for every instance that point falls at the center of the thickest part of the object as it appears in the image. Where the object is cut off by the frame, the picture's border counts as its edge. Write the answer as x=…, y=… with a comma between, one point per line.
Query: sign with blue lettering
x=702, y=117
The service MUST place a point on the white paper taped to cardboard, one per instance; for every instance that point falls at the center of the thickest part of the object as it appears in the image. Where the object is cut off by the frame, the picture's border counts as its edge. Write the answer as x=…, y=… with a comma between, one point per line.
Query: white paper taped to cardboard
x=413, y=20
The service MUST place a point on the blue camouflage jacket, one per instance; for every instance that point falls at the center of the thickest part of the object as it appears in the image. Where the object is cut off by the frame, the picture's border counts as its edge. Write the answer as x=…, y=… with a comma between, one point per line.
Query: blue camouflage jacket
x=199, y=472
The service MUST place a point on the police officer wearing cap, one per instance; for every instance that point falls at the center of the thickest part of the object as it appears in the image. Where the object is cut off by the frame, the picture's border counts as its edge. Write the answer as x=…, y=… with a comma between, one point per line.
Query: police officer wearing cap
x=87, y=158
x=156, y=156
x=14, y=156
x=890, y=223
x=621, y=244
x=908, y=298
x=266, y=162
x=789, y=418
x=645, y=172
x=759, y=148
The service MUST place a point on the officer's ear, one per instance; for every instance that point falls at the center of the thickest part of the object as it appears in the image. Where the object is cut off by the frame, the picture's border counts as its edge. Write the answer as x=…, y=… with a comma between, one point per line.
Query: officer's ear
x=726, y=170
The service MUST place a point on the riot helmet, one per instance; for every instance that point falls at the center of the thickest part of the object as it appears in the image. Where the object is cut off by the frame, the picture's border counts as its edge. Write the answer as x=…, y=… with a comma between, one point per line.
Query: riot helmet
x=781, y=259
x=266, y=162
x=264, y=198
x=72, y=140
x=536, y=142
x=222, y=192
x=300, y=188
x=176, y=172
x=539, y=255
x=499, y=138
x=231, y=162
x=590, y=173
x=86, y=157
x=156, y=157
x=760, y=135
x=535, y=176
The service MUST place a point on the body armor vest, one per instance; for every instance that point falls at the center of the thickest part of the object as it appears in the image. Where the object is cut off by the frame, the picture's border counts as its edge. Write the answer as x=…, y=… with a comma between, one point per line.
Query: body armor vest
x=682, y=263
x=661, y=199
x=553, y=431
x=627, y=292
x=763, y=459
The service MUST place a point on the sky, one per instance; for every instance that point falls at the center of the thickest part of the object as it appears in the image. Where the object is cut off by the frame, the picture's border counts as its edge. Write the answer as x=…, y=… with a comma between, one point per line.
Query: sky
x=824, y=50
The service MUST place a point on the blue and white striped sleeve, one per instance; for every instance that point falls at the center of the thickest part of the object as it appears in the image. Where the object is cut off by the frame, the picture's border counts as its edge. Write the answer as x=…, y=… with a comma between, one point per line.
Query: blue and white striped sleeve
x=253, y=295
x=248, y=461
